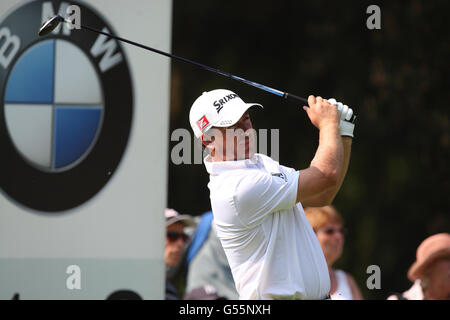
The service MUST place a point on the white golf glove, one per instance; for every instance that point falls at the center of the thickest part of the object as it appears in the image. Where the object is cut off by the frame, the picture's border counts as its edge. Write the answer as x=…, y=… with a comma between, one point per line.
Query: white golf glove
x=345, y=114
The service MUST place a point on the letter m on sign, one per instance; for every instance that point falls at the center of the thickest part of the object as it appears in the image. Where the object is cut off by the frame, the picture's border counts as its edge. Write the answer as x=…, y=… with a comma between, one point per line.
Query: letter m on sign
x=106, y=48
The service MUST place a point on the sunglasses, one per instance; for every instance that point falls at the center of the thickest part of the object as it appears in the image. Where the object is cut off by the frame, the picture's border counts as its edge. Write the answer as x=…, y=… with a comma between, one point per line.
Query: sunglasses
x=174, y=236
x=331, y=231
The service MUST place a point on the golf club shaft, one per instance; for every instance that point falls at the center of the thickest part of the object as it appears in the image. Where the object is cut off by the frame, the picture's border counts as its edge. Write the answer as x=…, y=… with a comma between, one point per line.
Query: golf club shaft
x=282, y=94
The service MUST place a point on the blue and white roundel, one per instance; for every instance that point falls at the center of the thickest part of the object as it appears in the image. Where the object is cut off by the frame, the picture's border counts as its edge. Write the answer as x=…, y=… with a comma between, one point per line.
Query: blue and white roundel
x=66, y=108
x=53, y=105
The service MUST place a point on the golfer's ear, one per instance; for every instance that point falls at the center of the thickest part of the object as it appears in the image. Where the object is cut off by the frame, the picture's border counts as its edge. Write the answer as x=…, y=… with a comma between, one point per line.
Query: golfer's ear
x=210, y=136
x=207, y=141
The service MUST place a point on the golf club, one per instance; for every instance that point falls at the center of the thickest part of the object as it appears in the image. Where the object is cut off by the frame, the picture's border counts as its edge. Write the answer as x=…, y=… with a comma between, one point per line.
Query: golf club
x=53, y=22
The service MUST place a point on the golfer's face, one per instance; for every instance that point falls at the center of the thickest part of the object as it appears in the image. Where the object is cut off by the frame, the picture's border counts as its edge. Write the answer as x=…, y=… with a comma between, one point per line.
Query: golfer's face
x=236, y=142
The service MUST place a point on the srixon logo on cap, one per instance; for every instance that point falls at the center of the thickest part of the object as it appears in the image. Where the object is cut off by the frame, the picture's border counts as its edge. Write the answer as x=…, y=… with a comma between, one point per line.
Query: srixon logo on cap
x=219, y=103
x=202, y=123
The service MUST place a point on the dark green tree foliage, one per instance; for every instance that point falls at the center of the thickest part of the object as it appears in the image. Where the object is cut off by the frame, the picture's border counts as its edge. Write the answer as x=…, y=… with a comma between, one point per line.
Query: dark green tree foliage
x=396, y=192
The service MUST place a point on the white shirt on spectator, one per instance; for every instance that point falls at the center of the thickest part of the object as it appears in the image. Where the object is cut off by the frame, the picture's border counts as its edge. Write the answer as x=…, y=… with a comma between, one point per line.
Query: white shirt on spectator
x=343, y=291
x=270, y=245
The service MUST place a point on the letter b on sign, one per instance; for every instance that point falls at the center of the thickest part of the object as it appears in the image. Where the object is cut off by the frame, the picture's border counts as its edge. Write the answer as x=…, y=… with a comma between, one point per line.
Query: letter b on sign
x=74, y=280
x=9, y=45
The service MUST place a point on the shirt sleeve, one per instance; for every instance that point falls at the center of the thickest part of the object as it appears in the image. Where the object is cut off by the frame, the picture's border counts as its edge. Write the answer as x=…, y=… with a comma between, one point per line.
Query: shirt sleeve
x=259, y=194
x=287, y=170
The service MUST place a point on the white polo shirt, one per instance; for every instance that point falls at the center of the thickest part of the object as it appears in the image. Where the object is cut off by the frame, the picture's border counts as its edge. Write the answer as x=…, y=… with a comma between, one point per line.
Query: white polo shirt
x=272, y=249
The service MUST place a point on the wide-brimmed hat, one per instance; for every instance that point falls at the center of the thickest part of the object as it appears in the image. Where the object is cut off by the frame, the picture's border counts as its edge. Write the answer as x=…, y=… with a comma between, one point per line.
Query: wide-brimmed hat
x=430, y=250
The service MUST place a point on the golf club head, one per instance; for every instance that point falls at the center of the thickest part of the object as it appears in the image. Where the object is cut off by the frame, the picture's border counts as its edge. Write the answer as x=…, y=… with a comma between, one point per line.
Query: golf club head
x=50, y=25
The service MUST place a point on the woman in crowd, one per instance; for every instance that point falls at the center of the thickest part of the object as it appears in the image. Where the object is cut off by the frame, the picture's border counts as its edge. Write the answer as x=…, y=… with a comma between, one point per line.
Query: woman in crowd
x=328, y=225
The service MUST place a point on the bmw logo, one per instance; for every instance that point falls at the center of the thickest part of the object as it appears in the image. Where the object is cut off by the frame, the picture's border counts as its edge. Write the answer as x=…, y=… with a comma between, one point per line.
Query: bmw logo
x=66, y=106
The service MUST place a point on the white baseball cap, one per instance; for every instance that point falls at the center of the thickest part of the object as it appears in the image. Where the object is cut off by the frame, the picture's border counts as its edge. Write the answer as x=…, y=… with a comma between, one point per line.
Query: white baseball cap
x=217, y=108
x=173, y=216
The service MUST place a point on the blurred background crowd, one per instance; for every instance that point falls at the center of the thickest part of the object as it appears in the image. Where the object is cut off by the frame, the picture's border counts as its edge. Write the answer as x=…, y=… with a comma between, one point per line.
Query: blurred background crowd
x=197, y=268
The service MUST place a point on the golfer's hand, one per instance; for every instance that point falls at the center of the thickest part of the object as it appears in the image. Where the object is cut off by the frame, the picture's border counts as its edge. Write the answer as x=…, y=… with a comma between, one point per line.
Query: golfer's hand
x=321, y=112
x=345, y=113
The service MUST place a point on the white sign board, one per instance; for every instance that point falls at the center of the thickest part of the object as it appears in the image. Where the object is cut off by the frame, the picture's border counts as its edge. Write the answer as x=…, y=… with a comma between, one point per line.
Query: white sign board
x=83, y=127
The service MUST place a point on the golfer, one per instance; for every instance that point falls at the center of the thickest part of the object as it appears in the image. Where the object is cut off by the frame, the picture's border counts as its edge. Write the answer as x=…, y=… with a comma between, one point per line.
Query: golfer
x=258, y=204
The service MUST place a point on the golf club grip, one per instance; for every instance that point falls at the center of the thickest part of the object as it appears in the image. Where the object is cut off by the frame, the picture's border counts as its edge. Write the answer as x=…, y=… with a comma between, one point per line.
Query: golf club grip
x=293, y=97
x=296, y=98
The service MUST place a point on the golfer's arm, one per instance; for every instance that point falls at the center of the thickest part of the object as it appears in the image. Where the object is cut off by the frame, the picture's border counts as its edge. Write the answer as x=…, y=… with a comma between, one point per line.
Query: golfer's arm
x=327, y=196
x=325, y=168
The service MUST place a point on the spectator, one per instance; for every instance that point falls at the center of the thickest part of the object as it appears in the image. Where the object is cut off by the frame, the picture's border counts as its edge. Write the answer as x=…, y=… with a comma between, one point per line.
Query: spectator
x=432, y=267
x=413, y=293
x=206, y=262
x=328, y=225
x=205, y=292
x=176, y=240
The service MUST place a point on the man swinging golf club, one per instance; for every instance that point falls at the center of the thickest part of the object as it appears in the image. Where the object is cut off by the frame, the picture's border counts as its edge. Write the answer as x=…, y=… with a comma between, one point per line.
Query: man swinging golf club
x=258, y=204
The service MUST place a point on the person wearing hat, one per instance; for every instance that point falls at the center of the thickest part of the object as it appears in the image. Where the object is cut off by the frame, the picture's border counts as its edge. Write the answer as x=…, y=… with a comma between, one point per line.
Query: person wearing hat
x=432, y=267
x=430, y=272
x=257, y=203
x=176, y=240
